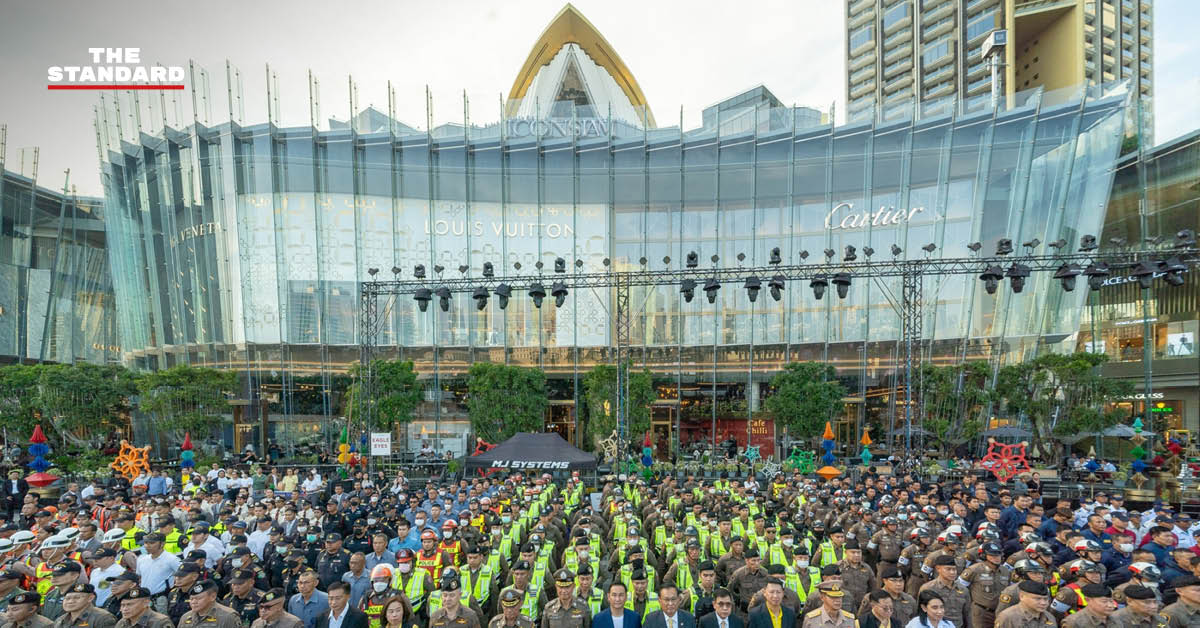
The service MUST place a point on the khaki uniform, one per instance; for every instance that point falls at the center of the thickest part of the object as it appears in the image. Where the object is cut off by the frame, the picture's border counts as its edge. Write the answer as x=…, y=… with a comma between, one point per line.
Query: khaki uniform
x=818, y=619
x=1084, y=619
x=222, y=616
x=743, y=584
x=36, y=621
x=286, y=620
x=857, y=581
x=149, y=619
x=904, y=608
x=727, y=565
x=1017, y=617
x=555, y=615
x=521, y=622
x=1179, y=615
x=466, y=618
x=888, y=546
x=91, y=618
x=912, y=558
x=956, y=598
x=1008, y=598
x=985, y=587
x=1126, y=618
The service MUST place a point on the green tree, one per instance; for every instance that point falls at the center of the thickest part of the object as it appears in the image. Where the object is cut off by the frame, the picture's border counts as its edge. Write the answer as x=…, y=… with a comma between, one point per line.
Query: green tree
x=397, y=393
x=503, y=400
x=1061, y=394
x=82, y=401
x=806, y=396
x=600, y=386
x=187, y=398
x=18, y=397
x=954, y=397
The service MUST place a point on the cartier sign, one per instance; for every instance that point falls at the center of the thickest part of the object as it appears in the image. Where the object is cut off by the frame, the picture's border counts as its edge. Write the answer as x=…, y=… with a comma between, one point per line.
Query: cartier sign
x=844, y=216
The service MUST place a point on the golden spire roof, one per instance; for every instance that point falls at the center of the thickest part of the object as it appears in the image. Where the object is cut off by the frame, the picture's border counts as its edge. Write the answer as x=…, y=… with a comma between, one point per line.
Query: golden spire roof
x=570, y=27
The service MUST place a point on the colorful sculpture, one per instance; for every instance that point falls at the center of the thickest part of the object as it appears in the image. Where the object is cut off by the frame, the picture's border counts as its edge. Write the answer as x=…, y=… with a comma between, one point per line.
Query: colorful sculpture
x=802, y=461
x=131, y=461
x=828, y=471
x=1005, y=461
x=752, y=453
x=608, y=448
x=38, y=449
x=187, y=457
x=865, y=456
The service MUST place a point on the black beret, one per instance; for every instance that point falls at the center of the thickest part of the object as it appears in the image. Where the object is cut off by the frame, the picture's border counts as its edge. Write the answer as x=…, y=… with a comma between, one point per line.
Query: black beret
x=752, y=552
x=1096, y=590
x=1139, y=592
x=831, y=570
x=890, y=572
x=68, y=567
x=25, y=598
x=776, y=570
x=272, y=595
x=188, y=568
x=852, y=544
x=707, y=566
x=82, y=587
x=127, y=576
x=203, y=586
x=1036, y=588
x=585, y=569
x=138, y=593
x=944, y=560
x=1184, y=581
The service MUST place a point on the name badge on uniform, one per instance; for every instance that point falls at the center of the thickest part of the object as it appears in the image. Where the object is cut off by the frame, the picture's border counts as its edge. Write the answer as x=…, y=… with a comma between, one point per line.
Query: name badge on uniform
x=1059, y=606
x=871, y=545
x=902, y=560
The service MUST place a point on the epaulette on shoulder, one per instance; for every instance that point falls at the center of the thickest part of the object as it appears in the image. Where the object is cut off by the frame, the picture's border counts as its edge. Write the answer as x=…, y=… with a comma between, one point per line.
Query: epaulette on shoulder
x=847, y=613
x=813, y=613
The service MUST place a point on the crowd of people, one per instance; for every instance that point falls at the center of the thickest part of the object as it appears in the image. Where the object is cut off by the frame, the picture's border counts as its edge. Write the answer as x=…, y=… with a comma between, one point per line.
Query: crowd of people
x=290, y=549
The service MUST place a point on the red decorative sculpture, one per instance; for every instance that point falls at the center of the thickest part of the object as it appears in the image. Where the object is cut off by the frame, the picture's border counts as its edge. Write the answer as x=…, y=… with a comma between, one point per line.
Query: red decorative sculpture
x=1005, y=461
x=482, y=446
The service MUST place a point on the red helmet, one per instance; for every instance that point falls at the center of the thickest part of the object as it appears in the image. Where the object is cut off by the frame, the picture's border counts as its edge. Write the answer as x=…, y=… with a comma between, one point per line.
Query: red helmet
x=450, y=523
x=405, y=555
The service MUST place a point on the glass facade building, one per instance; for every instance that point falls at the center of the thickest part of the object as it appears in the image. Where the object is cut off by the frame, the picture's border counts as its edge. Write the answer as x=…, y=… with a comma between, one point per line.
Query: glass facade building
x=243, y=245
x=56, y=295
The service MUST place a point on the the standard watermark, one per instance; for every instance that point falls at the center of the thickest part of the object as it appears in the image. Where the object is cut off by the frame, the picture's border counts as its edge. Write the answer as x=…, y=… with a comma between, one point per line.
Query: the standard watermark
x=114, y=68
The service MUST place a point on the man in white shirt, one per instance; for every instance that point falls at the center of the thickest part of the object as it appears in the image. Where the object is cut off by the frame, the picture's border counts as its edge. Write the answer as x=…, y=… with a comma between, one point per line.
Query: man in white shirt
x=212, y=472
x=312, y=483
x=104, y=568
x=156, y=567
x=258, y=539
x=213, y=549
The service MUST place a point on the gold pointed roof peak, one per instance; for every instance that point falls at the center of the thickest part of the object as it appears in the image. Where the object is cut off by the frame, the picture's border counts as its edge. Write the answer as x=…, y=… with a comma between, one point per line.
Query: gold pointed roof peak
x=569, y=26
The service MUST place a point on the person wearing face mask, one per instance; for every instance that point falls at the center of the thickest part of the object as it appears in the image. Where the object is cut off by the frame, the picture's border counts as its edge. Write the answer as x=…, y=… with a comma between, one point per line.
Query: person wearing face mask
x=451, y=546
x=243, y=598
x=241, y=558
x=378, y=595
x=801, y=576
x=414, y=581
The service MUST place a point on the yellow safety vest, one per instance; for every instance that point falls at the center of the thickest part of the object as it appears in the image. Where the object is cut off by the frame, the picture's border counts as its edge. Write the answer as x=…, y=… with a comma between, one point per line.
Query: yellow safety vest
x=481, y=589
x=130, y=543
x=795, y=581
x=683, y=575
x=651, y=603
x=171, y=543
x=414, y=589
x=42, y=577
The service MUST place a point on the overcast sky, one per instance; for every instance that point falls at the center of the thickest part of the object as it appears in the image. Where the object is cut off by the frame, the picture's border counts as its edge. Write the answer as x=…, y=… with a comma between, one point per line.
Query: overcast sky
x=686, y=54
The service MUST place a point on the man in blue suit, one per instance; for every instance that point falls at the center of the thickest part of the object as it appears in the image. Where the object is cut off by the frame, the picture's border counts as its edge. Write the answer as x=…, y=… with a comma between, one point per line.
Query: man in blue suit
x=723, y=615
x=616, y=615
x=669, y=615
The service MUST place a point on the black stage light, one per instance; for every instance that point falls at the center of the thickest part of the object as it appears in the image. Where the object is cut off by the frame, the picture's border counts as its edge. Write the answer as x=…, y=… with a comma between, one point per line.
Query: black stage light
x=693, y=260
x=443, y=294
x=1057, y=244
x=687, y=288
x=560, y=265
x=868, y=251
x=829, y=253
x=975, y=246
x=396, y=270
x=503, y=292
x=776, y=258
x=559, y=292
x=481, y=297
x=1144, y=272
x=1185, y=238
x=1016, y=277
x=1097, y=274
x=850, y=254
x=1004, y=246
x=1031, y=244
x=896, y=251
x=372, y=271
x=1088, y=243
x=818, y=285
x=776, y=285
x=710, y=289
x=1067, y=274
x=803, y=255
x=538, y=292
x=753, y=285
x=489, y=270
x=422, y=297
x=842, y=281
x=991, y=278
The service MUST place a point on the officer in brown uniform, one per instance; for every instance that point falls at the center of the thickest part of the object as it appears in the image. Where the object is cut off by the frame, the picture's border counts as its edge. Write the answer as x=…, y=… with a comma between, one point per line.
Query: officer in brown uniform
x=1096, y=614
x=510, y=612
x=830, y=614
x=271, y=613
x=904, y=606
x=22, y=612
x=912, y=559
x=954, y=594
x=136, y=611
x=1026, y=569
x=1186, y=611
x=565, y=610
x=1141, y=610
x=887, y=544
x=984, y=583
x=452, y=612
x=79, y=609
x=1030, y=611
x=747, y=579
x=858, y=580
x=205, y=609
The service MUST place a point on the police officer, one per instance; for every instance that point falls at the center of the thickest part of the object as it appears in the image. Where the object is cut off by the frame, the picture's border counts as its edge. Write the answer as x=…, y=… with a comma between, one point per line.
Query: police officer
x=984, y=582
x=243, y=598
x=451, y=611
x=831, y=614
x=204, y=609
x=22, y=612
x=1030, y=611
x=119, y=588
x=136, y=611
x=858, y=579
x=271, y=613
x=177, y=598
x=1185, y=611
x=566, y=610
x=1095, y=615
x=79, y=609
x=951, y=588
x=333, y=562
x=510, y=612
x=1141, y=610
x=11, y=580
x=63, y=578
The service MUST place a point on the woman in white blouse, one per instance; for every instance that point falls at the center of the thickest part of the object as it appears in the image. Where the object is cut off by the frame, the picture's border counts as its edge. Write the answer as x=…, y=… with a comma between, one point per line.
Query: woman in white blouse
x=931, y=613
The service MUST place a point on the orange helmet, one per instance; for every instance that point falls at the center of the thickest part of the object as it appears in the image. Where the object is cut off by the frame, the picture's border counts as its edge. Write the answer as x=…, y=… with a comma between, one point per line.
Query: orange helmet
x=382, y=571
x=405, y=555
x=429, y=535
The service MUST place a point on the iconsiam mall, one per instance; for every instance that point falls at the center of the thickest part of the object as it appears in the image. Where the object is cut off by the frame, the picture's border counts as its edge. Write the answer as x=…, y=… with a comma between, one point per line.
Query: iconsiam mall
x=240, y=241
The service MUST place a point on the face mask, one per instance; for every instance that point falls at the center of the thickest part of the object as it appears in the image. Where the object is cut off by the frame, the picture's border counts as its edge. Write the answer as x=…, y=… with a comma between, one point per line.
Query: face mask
x=420, y=522
x=371, y=522
x=281, y=549
x=506, y=519
x=1125, y=548
x=446, y=534
x=496, y=531
x=802, y=564
x=583, y=554
x=462, y=522
x=301, y=529
x=311, y=537
x=379, y=587
x=404, y=567
x=237, y=563
x=787, y=542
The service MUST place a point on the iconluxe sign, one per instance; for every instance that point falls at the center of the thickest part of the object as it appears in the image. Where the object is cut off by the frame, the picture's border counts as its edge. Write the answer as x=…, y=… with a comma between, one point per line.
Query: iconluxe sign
x=844, y=216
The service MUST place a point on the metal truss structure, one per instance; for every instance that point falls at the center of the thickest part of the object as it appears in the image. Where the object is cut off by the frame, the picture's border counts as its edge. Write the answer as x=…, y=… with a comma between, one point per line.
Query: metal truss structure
x=1090, y=263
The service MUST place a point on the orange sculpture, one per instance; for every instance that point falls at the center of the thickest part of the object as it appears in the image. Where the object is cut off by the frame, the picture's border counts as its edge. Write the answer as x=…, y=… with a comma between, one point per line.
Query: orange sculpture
x=131, y=461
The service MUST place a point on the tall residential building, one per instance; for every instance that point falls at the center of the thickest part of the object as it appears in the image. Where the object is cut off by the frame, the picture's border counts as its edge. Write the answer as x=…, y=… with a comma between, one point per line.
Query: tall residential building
x=898, y=51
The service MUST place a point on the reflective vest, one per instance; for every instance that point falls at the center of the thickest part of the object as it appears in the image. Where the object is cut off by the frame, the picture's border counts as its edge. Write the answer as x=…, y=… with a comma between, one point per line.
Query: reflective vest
x=718, y=546
x=42, y=578
x=683, y=575
x=529, y=607
x=414, y=589
x=1078, y=592
x=777, y=557
x=435, y=601
x=432, y=565
x=455, y=550
x=593, y=600
x=374, y=608
x=651, y=603
x=171, y=543
x=129, y=543
x=694, y=597
x=627, y=578
x=829, y=554
x=481, y=589
x=794, y=580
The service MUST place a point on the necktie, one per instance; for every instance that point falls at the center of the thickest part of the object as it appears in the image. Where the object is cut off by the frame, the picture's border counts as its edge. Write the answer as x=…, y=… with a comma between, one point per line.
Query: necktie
x=670, y=622
x=724, y=623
